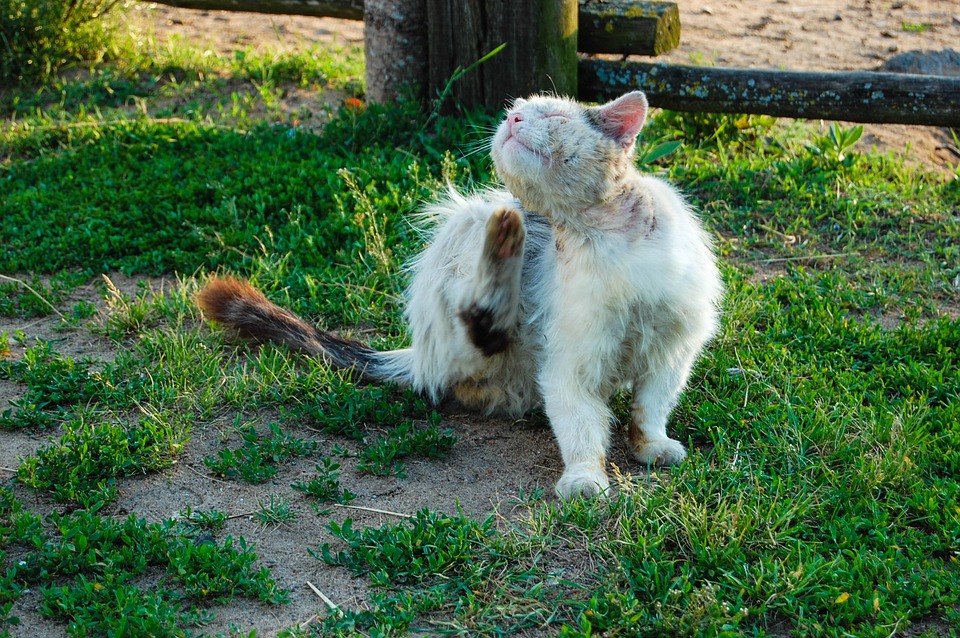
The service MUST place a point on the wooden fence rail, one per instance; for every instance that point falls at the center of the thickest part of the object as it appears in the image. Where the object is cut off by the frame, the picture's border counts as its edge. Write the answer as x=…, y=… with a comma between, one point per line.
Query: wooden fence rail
x=861, y=96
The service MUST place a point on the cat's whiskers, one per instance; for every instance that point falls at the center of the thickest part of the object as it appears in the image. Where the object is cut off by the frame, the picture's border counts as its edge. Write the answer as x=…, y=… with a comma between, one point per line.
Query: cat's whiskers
x=483, y=142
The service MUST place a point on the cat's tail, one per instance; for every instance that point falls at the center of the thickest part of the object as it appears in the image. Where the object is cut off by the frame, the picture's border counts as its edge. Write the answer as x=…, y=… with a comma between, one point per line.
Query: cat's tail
x=237, y=305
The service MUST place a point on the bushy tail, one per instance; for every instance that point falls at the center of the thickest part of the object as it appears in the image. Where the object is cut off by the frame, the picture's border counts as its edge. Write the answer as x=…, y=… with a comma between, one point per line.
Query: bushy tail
x=242, y=308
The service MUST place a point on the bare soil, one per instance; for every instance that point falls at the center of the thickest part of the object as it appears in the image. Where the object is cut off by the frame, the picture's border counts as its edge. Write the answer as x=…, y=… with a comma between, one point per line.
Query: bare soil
x=493, y=459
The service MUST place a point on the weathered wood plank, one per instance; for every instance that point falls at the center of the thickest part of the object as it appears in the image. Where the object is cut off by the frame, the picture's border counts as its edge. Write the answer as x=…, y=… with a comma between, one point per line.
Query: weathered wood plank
x=628, y=26
x=347, y=9
x=861, y=96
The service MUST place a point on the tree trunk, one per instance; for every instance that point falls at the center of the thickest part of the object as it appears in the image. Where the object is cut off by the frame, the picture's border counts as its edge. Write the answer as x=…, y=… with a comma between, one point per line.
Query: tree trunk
x=540, y=52
x=395, y=49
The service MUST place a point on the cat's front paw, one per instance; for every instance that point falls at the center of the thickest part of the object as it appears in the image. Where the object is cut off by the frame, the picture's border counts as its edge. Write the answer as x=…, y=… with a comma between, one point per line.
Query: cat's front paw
x=660, y=452
x=582, y=480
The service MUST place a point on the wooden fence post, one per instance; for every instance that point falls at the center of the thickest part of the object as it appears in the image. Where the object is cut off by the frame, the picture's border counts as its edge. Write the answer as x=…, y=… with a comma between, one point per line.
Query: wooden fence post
x=541, y=51
x=395, y=49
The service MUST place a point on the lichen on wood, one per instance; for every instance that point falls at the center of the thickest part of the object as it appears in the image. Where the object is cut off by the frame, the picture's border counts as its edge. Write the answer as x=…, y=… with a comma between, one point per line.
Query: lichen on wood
x=862, y=96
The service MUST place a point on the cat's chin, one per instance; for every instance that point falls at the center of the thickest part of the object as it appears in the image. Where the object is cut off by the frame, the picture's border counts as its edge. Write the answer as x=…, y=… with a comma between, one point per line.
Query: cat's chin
x=516, y=158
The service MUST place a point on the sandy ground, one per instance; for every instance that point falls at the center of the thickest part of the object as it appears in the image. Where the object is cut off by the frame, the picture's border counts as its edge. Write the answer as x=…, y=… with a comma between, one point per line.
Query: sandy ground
x=493, y=459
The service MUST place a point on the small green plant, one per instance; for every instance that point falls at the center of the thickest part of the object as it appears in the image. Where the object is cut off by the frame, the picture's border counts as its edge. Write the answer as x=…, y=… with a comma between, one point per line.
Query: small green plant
x=219, y=572
x=82, y=310
x=326, y=486
x=199, y=521
x=259, y=457
x=36, y=298
x=835, y=145
x=126, y=315
x=649, y=154
x=54, y=383
x=82, y=467
x=100, y=574
x=914, y=27
x=384, y=456
x=274, y=512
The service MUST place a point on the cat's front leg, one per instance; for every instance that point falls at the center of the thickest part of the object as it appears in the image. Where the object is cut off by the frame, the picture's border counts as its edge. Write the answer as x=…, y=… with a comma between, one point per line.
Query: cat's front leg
x=492, y=300
x=654, y=397
x=581, y=424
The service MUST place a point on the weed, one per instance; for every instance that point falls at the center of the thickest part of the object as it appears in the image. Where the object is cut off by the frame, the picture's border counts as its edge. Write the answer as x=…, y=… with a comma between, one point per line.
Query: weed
x=54, y=384
x=124, y=315
x=326, y=486
x=258, y=458
x=384, y=455
x=196, y=522
x=276, y=512
x=82, y=467
x=835, y=145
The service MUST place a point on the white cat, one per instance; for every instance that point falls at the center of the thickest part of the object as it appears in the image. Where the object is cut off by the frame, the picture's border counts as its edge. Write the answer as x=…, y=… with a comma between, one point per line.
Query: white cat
x=582, y=278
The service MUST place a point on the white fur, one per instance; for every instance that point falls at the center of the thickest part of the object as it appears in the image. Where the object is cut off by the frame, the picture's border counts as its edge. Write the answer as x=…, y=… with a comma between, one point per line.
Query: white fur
x=618, y=288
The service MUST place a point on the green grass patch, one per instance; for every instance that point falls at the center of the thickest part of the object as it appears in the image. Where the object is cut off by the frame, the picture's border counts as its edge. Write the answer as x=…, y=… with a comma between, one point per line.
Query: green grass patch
x=87, y=568
x=820, y=496
x=257, y=459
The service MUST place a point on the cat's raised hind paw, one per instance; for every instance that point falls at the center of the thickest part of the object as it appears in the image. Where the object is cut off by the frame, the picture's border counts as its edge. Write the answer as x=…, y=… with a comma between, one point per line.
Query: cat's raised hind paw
x=660, y=452
x=582, y=480
x=505, y=233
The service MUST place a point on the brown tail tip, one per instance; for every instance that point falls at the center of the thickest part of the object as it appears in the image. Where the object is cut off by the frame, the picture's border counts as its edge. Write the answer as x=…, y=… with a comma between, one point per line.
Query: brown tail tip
x=221, y=294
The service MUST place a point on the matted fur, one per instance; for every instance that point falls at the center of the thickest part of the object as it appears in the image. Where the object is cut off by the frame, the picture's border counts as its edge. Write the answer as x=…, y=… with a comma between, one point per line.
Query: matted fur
x=584, y=277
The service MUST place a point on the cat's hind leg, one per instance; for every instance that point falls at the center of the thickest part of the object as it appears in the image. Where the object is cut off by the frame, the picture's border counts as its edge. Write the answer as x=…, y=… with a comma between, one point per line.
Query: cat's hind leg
x=490, y=306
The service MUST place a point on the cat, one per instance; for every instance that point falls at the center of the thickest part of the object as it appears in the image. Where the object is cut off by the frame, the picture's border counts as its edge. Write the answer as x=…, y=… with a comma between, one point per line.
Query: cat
x=581, y=278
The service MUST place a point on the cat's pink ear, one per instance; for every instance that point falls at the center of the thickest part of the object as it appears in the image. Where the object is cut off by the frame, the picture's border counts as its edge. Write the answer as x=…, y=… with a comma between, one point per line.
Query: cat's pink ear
x=623, y=118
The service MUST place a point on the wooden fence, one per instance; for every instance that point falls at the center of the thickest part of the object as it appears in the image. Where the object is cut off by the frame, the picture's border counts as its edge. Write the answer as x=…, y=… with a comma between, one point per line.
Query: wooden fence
x=422, y=43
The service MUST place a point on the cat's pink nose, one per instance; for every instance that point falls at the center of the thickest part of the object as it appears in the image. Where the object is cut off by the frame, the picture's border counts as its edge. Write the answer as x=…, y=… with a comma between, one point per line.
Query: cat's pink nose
x=512, y=119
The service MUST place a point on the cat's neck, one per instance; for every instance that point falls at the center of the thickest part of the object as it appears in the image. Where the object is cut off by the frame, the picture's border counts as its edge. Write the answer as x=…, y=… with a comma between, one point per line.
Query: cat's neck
x=624, y=209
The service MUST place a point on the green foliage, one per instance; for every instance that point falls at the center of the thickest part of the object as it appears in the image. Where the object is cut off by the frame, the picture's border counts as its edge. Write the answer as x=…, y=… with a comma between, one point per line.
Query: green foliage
x=460, y=571
x=96, y=561
x=384, y=455
x=259, y=457
x=834, y=146
x=325, y=487
x=38, y=37
x=54, y=383
x=274, y=512
x=19, y=298
x=220, y=572
x=82, y=467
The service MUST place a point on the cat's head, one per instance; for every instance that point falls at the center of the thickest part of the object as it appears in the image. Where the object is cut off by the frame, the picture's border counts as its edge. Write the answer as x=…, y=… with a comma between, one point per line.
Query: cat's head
x=557, y=154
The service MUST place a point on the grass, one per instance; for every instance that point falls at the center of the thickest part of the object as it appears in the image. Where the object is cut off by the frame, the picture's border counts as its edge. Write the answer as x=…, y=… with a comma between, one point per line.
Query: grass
x=821, y=494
